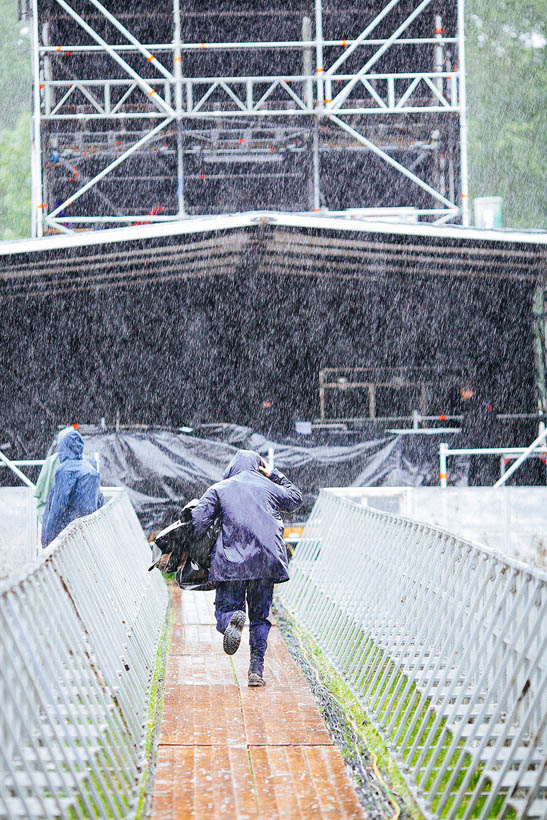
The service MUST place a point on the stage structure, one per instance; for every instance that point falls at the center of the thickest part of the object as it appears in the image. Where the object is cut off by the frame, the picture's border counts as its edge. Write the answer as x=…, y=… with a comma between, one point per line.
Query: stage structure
x=151, y=112
x=226, y=317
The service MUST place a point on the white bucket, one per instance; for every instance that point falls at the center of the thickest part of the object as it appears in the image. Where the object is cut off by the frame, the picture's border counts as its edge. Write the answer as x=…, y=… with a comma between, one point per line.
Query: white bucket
x=488, y=210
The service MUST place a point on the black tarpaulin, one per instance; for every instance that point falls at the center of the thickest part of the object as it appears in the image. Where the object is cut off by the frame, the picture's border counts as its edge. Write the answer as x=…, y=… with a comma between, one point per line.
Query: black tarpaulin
x=163, y=469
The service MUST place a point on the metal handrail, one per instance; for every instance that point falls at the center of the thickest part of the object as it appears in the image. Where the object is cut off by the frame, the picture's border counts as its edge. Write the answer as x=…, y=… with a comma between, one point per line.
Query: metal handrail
x=534, y=447
x=79, y=630
x=443, y=644
x=6, y=462
x=537, y=448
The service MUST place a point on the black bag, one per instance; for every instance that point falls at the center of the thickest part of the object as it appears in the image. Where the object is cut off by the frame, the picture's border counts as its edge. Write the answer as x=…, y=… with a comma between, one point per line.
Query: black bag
x=174, y=541
x=191, y=576
x=194, y=573
x=190, y=557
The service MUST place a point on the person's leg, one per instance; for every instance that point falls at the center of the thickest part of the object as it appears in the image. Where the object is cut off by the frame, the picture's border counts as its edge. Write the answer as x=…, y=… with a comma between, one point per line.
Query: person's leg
x=259, y=601
x=230, y=597
x=230, y=613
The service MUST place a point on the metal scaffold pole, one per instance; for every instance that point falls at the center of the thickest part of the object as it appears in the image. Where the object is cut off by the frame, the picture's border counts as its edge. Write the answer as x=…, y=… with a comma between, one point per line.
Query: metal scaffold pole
x=37, y=204
x=539, y=321
x=177, y=58
x=320, y=102
x=463, y=114
x=316, y=171
x=319, y=68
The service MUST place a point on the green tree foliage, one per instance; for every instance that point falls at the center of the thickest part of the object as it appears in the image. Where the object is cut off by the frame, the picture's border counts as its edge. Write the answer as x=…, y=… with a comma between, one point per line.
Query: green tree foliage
x=15, y=91
x=506, y=56
x=15, y=179
x=15, y=71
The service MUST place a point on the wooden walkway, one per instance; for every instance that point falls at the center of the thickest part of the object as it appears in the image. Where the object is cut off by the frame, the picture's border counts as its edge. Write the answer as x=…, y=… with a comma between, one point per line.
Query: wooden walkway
x=227, y=752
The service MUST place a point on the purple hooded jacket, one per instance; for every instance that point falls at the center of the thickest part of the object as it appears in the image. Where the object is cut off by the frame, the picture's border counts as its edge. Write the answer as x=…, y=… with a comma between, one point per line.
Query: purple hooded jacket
x=250, y=542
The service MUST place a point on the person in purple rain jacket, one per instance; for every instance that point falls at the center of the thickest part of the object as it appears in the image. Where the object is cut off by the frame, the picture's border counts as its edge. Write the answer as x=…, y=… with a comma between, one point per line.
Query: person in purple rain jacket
x=249, y=555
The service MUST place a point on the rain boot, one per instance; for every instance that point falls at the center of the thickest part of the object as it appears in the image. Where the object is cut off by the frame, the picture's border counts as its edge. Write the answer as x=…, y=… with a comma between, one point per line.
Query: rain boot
x=232, y=633
x=256, y=672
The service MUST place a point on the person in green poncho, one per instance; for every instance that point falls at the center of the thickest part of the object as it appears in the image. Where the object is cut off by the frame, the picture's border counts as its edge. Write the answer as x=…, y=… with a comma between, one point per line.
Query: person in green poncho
x=46, y=479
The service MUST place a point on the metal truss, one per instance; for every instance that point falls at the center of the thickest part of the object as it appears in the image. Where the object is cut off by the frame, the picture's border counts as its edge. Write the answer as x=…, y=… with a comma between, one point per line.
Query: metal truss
x=252, y=96
x=351, y=100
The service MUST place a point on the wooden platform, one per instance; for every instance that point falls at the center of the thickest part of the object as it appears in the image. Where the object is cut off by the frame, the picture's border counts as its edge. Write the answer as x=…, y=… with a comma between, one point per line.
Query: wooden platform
x=227, y=752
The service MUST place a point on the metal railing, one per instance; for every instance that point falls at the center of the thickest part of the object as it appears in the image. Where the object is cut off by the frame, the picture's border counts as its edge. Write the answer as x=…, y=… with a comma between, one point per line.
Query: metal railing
x=443, y=643
x=79, y=631
x=537, y=449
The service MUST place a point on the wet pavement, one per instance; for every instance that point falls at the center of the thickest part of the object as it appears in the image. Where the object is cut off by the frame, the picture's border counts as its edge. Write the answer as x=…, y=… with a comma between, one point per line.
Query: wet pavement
x=227, y=752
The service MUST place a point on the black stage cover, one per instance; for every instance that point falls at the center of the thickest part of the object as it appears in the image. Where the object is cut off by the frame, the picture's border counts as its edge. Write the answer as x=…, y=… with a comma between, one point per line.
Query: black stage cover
x=163, y=469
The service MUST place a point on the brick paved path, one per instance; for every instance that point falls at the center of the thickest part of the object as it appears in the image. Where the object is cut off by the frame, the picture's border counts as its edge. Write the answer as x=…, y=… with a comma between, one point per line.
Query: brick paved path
x=227, y=752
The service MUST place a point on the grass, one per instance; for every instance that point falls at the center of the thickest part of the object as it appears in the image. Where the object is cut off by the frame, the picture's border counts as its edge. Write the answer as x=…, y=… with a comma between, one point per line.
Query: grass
x=154, y=717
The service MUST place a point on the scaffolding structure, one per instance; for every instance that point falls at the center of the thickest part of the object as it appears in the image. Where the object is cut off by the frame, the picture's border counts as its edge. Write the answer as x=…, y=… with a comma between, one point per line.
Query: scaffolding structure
x=147, y=113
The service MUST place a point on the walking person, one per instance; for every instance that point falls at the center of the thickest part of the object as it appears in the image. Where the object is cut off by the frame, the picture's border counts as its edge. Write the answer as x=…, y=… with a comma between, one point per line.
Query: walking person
x=76, y=491
x=249, y=555
x=46, y=479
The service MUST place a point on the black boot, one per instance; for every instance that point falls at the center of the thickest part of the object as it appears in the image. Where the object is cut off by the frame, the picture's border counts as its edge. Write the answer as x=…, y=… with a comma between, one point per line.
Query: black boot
x=232, y=633
x=256, y=671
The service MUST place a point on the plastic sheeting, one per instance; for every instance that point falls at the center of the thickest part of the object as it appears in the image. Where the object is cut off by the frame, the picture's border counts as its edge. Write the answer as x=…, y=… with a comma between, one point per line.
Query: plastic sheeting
x=163, y=469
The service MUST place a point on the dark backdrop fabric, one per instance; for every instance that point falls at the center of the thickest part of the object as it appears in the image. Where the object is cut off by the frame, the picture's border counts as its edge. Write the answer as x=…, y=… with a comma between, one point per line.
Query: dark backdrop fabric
x=215, y=348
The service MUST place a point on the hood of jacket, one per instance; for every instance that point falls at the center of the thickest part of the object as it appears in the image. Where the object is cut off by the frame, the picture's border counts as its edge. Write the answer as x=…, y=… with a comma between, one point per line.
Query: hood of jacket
x=243, y=460
x=71, y=446
x=62, y=433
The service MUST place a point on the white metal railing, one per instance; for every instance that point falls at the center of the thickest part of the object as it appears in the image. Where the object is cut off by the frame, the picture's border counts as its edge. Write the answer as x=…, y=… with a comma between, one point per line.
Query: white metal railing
x=79, y=631
x=443, y=643
x=537, y=449
x=18, y=529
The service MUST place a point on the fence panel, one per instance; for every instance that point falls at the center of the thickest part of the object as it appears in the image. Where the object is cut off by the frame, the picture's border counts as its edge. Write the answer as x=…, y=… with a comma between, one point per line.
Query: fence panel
x=443, y=643
x=78, y=639
x=18, y=529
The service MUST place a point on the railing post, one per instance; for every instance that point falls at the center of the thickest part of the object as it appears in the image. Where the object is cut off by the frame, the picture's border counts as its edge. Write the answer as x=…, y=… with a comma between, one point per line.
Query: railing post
x=443, y=452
